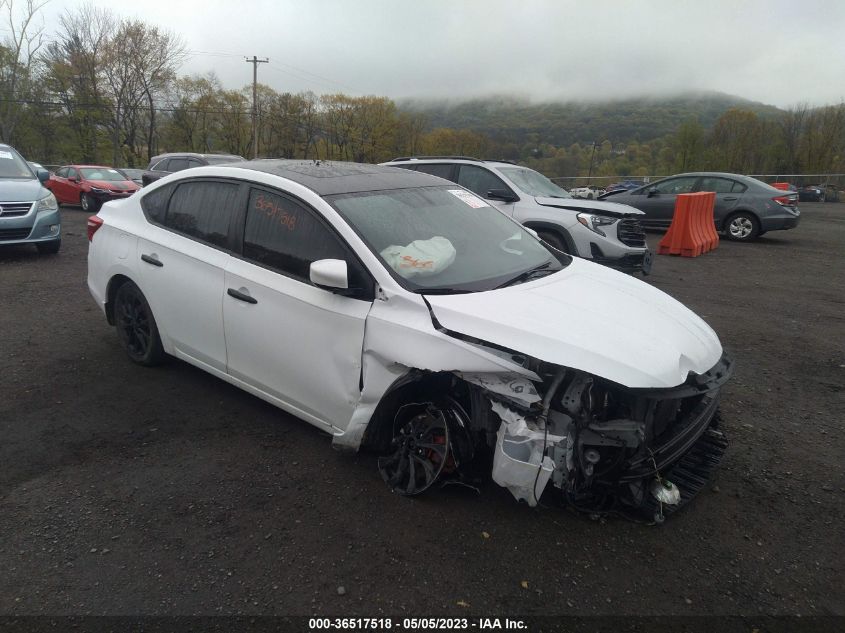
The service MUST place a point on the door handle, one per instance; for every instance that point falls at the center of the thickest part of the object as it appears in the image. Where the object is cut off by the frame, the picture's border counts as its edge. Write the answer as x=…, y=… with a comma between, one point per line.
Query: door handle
x=150, y=259
x=731, y=198
x=240, y=296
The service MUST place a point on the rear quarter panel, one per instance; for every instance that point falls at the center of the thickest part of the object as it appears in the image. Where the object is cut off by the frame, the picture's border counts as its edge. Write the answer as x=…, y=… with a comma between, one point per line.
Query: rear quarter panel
x=113, y=251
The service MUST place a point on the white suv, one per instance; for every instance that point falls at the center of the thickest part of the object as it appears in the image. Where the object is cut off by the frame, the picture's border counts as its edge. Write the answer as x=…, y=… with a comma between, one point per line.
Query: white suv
x=605, y=232
x=403, y=313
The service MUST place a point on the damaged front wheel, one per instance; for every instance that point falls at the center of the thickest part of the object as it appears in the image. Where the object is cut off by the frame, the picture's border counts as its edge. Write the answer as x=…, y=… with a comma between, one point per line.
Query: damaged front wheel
x=419, y=451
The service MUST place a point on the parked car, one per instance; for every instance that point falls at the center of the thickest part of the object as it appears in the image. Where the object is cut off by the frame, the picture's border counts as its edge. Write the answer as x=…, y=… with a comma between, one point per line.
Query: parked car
x=785, y=186
x=420, y=322
x=625, y=185
x=607, y=233
x=165, y=164
x=818, y=193
x=132, y=174
x=588, y=192
x=745, y=209
x=29, y=213
x=89, y=185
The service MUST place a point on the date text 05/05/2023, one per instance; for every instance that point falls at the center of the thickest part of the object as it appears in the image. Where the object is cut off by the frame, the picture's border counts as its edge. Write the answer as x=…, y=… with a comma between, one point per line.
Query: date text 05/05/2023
x=416, y=624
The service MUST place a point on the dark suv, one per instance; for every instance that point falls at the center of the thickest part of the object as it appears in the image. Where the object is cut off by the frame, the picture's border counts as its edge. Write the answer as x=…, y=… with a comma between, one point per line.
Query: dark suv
x=164, y=164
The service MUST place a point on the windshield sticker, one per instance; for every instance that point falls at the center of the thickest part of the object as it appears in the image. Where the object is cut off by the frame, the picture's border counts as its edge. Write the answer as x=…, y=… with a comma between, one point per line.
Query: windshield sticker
x=471, y=199
x=6, y=155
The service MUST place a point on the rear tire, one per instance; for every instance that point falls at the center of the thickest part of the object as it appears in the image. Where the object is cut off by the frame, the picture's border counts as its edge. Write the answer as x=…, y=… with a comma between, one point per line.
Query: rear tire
x=136, y=326
x=88, y=203
x=742, y=227
x=49, y=248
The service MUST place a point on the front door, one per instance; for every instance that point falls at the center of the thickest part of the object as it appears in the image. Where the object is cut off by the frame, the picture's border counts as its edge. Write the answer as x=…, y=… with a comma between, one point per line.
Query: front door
x=481, y=181
x=291, y=340
x=658, y=201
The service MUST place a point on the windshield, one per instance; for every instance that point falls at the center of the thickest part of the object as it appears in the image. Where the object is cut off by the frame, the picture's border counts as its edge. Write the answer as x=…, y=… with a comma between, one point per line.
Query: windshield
x=13, y=166
x=443, y=239
x=533, y=183
x=102, y=173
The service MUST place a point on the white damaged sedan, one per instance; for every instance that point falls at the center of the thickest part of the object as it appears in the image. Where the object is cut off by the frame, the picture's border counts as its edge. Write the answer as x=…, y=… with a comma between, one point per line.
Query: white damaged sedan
x=403, y=314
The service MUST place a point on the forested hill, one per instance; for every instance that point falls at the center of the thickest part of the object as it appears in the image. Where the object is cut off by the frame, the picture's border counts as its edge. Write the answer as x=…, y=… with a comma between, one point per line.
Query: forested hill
x=513, y=120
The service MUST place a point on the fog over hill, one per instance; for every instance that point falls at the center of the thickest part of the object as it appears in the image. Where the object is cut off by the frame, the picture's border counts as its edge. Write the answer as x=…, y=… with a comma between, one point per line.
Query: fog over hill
x=518, y=119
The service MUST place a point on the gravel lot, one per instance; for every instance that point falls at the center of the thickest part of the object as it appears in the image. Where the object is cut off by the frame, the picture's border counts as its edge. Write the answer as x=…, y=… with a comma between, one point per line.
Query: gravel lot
x=126, y=490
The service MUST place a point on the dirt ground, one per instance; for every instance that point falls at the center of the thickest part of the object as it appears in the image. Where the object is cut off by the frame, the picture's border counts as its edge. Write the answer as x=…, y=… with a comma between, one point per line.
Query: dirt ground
x=132, y=491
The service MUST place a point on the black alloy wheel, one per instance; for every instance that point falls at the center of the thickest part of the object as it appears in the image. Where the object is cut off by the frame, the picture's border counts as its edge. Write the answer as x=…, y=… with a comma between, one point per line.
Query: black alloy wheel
x=419, y=451
x=136, y=326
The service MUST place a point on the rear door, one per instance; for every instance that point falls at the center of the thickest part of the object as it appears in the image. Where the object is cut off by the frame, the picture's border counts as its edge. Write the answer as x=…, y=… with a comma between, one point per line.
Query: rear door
x=285, y=337
x=183, y=256
x=728, y=195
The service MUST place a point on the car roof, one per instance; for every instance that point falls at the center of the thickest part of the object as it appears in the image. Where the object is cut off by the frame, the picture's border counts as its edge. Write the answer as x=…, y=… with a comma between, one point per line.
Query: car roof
x=194, y=155
x=88, y=166
x=452, y=159
x=327, y=178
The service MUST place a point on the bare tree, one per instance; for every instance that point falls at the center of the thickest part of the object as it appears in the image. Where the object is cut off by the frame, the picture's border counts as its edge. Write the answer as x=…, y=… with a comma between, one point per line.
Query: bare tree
x=18, y=54
x=74, y=71
x=792, y=125
x=157, y=56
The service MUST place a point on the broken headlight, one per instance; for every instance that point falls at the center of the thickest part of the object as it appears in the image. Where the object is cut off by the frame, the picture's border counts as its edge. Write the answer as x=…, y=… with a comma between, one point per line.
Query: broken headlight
x=593, y=222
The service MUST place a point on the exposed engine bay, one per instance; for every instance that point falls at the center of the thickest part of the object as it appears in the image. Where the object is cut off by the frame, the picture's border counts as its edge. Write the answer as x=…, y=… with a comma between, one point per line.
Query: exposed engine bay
x=605, y=448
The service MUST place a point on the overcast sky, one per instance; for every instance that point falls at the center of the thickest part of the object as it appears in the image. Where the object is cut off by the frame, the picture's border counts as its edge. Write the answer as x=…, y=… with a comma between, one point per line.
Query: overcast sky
x=780, y=52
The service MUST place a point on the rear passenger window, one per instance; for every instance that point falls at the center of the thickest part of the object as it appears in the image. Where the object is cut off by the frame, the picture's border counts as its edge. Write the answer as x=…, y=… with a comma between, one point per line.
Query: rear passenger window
x=154, y=204
x=203, y=210
x=716, y=185
x=177, y=164
x=283, y=234
x=437, y=169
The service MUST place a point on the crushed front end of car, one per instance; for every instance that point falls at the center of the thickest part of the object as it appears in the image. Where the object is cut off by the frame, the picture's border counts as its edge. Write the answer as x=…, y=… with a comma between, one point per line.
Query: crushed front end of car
x=608, y=448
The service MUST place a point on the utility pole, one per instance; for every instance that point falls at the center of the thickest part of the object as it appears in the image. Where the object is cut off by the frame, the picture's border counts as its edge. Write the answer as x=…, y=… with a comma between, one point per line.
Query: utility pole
x=255, y=61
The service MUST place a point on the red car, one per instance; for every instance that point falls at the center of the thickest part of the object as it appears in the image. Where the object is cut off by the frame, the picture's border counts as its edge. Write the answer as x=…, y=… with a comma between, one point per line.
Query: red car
x=89, y=185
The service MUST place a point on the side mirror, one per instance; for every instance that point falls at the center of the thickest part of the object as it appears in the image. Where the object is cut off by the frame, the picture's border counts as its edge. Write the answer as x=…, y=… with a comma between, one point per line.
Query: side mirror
x=43, y=175
x=329, y=274
x=502, y=194
x=652, y=192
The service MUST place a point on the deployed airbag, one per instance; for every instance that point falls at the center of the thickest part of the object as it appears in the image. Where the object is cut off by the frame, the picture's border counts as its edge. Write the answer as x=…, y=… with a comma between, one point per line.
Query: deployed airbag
x=420, y=257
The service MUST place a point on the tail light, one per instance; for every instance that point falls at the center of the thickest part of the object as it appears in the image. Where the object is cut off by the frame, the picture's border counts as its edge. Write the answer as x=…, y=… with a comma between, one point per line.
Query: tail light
x=787, y=201
x=94, y=223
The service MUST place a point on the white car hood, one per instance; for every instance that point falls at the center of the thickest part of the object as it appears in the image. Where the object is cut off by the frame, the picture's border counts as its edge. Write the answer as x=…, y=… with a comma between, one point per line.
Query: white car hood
x=598, y=206
x=591, y=318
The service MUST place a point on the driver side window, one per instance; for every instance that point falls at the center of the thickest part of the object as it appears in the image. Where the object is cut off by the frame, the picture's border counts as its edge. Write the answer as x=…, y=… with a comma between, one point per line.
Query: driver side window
x=676, y=185
x=479, y=180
